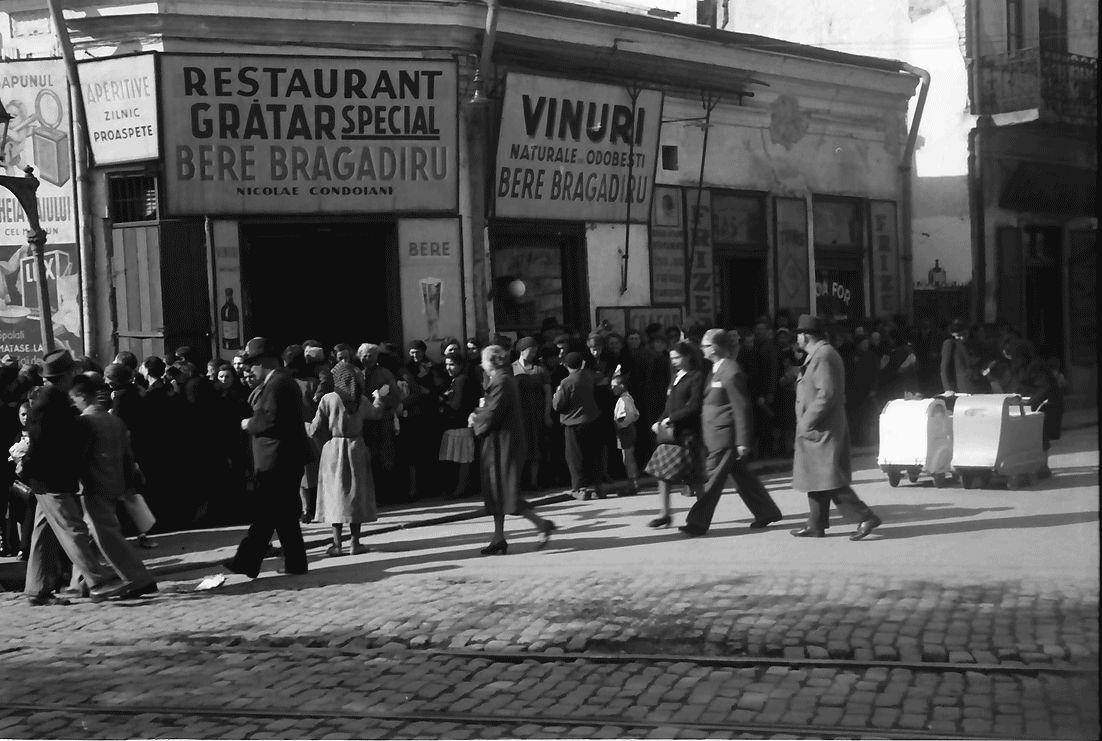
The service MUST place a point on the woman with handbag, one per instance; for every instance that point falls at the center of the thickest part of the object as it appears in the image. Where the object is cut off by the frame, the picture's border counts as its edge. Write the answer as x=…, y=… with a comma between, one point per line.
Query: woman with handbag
x=679, y=457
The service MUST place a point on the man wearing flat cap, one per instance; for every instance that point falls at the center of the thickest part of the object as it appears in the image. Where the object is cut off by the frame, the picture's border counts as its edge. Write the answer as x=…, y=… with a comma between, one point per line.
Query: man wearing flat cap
x=821, y=466
x=727, y=439
x=280, y=450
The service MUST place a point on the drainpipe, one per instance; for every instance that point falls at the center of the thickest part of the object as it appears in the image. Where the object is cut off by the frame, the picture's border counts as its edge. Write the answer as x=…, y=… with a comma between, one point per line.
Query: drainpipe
x=83, y=193
x=976, y=207
x=478, y=144
x=905, y=171
x=486, y=58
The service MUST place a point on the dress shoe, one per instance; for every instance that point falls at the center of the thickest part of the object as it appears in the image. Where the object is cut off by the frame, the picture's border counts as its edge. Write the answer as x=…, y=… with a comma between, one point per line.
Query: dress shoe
x=546, y=529
x=110, y=590
x=145, y=542
x=140, y=591
x=865, y=528
x=692, y=532
x=356, y=549
x=229, y=566
x=47, y=600
x=659, y=522
x=497, y=548
x=334, y=551
x=294, y=572
x=81, y=592
x=807, y=532
x=762, y=524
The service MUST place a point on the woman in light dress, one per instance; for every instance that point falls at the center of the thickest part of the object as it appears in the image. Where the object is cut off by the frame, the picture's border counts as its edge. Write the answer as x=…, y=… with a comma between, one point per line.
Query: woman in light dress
x=346, y=492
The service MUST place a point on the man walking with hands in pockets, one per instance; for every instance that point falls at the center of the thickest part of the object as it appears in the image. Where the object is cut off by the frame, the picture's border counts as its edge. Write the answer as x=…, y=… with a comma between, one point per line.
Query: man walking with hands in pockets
x=821, y=466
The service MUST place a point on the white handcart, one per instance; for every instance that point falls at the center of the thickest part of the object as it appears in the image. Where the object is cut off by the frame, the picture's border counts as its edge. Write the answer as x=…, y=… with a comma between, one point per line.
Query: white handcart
x=916, y=437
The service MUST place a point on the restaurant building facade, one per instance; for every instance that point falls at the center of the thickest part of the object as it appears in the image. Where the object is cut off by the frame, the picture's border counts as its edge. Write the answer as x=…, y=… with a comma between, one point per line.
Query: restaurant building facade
x=349, y=171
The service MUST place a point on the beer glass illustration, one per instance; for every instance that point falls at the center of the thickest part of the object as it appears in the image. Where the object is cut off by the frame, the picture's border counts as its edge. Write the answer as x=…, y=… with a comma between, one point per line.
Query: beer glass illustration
x=431, y=288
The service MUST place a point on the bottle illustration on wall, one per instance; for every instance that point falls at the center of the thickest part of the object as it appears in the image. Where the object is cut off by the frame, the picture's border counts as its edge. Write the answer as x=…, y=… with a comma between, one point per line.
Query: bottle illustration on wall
x=937, y=275
x=231, y=323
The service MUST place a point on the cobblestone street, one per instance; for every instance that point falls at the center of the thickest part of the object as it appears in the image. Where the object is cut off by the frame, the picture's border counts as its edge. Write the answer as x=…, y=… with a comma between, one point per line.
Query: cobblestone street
x=968, y=613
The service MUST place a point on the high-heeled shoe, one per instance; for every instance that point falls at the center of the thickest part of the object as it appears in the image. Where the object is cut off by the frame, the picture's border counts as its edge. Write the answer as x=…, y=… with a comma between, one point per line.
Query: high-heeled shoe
x=658, y=522
x=497, y=548
x=334, y=551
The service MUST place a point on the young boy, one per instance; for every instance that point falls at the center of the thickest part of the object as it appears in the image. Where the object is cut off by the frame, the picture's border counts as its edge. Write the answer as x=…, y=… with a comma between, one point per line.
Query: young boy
x=107, y=467
x=625, y=414
x=577, y=407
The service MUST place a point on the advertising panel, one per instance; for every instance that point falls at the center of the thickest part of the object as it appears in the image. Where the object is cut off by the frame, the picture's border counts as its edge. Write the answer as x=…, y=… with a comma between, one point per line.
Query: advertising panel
x=287, y=135
x=120, y=100
x=885, y=257
x=667, y=247
x=575, y=150
x=36, y=94
x=432, y=298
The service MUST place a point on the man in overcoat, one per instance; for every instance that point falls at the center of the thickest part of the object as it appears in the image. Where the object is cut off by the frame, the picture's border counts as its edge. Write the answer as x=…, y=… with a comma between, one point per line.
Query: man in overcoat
x=822, y=466
x=727, y=437
x=279, y=446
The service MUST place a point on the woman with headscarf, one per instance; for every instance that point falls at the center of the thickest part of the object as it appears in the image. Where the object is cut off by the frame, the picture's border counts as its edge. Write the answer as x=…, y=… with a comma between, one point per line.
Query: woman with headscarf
x=534, y=385
x=498, y=425
x=346, y=492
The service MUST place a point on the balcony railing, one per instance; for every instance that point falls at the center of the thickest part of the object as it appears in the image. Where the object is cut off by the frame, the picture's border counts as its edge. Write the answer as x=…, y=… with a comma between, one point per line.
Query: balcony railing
x=1062, y=86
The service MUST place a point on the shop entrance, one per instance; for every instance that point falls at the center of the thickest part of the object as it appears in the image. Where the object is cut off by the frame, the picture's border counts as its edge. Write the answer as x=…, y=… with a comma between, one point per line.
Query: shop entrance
x=1044, y=292
x=743, y=295
x=327, y=282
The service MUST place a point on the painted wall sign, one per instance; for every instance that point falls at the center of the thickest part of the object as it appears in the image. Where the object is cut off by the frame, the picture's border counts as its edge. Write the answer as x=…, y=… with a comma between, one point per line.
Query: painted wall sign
x=432, y=298
x=36, y=94
x=120, y=99
x=575, y=150
x=667, y=247
x=838, y=294
x=271, y=134
x=885, y=257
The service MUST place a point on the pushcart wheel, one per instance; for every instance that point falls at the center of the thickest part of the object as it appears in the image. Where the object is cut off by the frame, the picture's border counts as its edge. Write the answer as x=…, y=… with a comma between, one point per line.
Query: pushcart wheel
x=967, y=480
x=912, y=475
x=1013, y=482
x=1027, y=480
x=941, y=480
x=894, y=477
x=983, y=480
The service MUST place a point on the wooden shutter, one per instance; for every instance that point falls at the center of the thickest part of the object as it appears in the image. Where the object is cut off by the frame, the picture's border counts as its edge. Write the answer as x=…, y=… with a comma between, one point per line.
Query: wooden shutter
x=136, y=277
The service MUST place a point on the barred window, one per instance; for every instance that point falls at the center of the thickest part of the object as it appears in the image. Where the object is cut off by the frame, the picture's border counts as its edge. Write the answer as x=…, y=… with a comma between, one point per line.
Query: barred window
x=133, y=198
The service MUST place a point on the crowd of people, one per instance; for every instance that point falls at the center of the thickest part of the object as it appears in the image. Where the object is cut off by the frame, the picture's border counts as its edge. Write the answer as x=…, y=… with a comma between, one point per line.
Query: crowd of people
x=686, y=405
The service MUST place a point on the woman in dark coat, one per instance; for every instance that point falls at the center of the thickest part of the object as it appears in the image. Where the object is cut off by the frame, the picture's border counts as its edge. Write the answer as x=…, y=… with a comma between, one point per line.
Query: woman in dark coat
x=497, y=423
x=679, y=457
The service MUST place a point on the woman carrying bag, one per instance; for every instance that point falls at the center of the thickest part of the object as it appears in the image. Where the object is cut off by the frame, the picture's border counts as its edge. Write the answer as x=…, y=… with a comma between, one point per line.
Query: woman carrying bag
x=679, y=457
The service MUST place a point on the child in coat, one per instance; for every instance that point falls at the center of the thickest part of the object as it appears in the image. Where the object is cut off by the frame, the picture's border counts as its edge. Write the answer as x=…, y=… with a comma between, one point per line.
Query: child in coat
x=624, y=416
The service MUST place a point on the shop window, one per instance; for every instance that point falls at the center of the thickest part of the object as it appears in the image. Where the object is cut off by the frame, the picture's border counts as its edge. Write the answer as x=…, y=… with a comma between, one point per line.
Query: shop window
x=132, y=198
x=839, y=235
x=1015, y=36
x=538, y=274
x=738, y=221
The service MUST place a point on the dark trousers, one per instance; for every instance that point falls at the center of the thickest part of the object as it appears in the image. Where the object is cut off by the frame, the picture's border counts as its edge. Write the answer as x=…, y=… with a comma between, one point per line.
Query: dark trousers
x=276, y=508
x=582, y=451
x=718, y=466
x=845, y=499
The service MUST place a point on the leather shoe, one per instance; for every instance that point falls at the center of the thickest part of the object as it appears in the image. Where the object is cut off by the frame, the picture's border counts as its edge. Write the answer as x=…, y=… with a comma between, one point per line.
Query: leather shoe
x=865, y=528
x=110, y=590
x=140, y=591
x=229, y=566
x=546, y=529
x=762, y=524
x=807, y=532
x=293, y=572
x=47, y=600
x=692, y=532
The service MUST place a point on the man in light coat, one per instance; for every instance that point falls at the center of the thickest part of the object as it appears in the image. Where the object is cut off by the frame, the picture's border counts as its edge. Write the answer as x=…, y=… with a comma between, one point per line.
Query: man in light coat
x=821, y=466
x=727, y=436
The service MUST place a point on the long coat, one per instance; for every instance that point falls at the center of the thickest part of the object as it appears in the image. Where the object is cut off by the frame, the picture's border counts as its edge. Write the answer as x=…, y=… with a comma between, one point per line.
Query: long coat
x=277, y=428
x=346, y=491
x=500, y=427
x=822, y=434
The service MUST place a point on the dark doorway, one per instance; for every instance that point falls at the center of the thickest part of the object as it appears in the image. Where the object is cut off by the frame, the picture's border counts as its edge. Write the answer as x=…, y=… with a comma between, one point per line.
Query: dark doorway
x=1044, y=290
x=743, y=294
x=539, y=272
x=327, y=282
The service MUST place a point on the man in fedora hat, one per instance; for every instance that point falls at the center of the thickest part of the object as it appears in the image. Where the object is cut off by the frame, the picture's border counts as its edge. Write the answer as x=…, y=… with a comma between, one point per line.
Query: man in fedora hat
x=727, y=436
x=821, y=466
x=52, y=467
x=280, y=451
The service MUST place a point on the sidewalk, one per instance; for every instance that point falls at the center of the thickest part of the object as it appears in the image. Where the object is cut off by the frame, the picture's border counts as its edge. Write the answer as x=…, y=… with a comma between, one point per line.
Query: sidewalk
x=191, y=550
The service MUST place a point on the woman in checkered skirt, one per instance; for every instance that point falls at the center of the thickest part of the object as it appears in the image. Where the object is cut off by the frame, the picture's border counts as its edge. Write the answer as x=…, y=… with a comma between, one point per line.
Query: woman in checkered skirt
x=679, y=457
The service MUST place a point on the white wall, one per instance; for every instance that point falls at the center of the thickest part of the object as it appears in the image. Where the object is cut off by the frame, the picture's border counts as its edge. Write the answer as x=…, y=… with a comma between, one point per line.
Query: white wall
x=604, y=244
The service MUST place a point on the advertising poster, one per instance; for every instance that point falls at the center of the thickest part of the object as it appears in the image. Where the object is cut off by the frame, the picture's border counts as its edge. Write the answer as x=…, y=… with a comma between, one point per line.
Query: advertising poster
x=793, y=287
x=667, y=247
x=313, y=135
x=432, y=298
x=702, y=296
x=120, y=100
x=575, y=150
x=884, y=257
x=36, y=94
